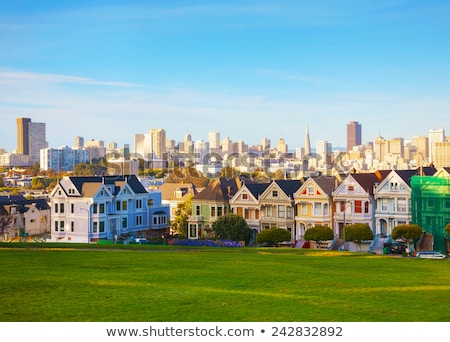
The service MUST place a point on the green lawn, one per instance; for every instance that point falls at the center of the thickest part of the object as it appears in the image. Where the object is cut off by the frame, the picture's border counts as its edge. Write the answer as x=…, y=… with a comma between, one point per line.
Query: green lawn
x=169, y=284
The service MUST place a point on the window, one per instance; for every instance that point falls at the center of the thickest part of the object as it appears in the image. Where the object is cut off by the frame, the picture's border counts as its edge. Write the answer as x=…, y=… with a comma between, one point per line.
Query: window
x=245, y=196
x=246, y=214
x=72, y=226
x=138, y=204
x=61, y=208
x=56, y=226
x=102, y=193
x=139, y=220
x=56, y=207
x=325, y=209
x=219, y=211
x=101, y=208
x=393, y=186
x=257, y=214
x=304, y=208
x=401, y=205
x=350, y=188
x=150, y=202
x=366, y=207
x=281, y=211
x=61, y=226
x=118, y=206
x=358, y=207
x=95, y=227
x=197, y=210
x=269, y=211
x=102, y=226
x=213, y=211
x=124, y=205
x=289, y=212
x=94, y=208
x=311, y=190
x=274, y=193
x=124, y=222
x=317, y=209
x=155, y=220
x=384, y=204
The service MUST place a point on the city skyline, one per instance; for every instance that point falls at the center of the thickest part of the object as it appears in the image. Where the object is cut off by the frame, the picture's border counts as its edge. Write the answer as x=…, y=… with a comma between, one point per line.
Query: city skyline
x=248, y=69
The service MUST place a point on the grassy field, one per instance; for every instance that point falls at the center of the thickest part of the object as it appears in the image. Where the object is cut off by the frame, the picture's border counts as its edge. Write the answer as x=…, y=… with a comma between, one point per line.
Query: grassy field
x=172, y=284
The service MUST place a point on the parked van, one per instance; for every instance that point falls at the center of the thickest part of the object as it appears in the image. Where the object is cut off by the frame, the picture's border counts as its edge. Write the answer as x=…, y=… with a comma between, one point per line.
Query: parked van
x=430, y=255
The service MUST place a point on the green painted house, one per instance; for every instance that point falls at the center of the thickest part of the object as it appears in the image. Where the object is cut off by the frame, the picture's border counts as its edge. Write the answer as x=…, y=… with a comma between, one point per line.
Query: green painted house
x=211, y=203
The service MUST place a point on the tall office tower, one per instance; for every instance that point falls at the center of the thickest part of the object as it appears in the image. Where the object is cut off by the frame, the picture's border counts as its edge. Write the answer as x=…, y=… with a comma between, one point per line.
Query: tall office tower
x=282, y=147
x=397, y=147
x=143, y=146
x=379, y=147
x=188, y=144
x=214, y=140
x=421, y=146
x=201, y=150
x=227, y=145
x=307, y=142
x=240, y=147
x=158, y=142
x=111, y=146
x=434, y=136
x=78, y=142
x=22, y=135
x=36, y=141
x=323, y=149
x=265, y=143
x=354, y=137
x=442, y=154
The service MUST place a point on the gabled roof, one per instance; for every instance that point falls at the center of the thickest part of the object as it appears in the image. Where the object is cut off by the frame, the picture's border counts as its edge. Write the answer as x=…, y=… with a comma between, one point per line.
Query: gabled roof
x=221, y=189
x=257, y=189
x=368, y=180
x=289, y=187
x=326, y=183
x=22, y=202
x=89, y=185
x=168, y=190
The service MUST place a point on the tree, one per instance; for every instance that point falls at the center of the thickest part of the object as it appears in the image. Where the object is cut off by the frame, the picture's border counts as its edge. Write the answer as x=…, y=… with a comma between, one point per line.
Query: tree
x=407, y=232
x=318, y=234
x=273, y=236
x=358, y=233
x=5, y=221
x=184, y=209
x=232, y=227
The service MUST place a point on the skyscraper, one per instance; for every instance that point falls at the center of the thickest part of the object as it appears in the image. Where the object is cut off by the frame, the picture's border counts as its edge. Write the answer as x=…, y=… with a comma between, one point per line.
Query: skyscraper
x=158, y=142
x=307, y=142
x=30, y=138
x=214, y=140
x=434, y=136
x=353, y=135
x=22, y=135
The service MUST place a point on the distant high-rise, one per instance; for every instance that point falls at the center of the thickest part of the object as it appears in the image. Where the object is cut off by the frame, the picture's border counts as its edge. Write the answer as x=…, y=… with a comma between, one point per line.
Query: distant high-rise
x=158, y=142
x=214, y=140
x=434, y=136
x=307, y=142
x=265, y=143
x=22, y=135
x=78, y=142
x=30, y=138
x=354, y=137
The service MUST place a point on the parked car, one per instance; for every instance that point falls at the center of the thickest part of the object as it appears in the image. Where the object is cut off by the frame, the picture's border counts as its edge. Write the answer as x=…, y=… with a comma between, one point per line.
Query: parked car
x=431, y=255
x=397, y=248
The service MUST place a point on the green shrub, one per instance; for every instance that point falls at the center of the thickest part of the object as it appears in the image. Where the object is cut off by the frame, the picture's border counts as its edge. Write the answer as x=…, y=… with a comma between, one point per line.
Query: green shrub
x=273, y=236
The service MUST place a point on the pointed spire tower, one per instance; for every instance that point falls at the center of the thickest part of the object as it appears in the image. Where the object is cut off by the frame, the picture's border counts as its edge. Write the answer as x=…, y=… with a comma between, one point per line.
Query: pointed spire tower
x=307, y=142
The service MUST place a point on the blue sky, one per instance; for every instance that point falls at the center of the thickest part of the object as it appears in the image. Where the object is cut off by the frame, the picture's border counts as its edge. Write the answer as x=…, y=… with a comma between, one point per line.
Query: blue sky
x=108, y=69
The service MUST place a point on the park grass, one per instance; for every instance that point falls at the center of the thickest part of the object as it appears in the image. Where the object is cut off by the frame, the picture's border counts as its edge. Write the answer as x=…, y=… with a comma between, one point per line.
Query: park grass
x=173, y=284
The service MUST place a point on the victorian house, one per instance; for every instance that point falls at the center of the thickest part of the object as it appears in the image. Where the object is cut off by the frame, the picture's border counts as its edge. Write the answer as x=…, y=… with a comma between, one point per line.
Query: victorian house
x=245, y=203
x=278, y=206
x=211, y=203
x=393, y=199
x=314, y=204
x=354, y=200
x=88, y=209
